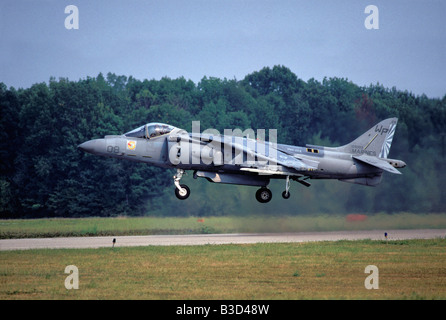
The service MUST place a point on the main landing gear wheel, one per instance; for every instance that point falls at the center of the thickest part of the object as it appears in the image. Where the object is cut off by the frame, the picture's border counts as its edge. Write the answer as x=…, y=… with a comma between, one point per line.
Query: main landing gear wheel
x=184, y=193
x=264, y=195
x=181, y=191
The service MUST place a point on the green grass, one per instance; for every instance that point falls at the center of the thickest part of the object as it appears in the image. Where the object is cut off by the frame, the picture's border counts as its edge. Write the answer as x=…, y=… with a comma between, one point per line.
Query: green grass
x=66, y=227
x=411, y=269
x=61, y=227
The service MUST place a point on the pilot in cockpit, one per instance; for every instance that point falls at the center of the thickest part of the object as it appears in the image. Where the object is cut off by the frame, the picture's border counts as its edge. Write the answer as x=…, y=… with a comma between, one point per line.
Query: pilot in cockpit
x=150, y=130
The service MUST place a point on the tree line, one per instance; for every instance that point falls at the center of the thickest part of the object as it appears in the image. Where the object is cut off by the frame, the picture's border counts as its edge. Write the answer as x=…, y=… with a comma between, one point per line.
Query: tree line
x=42, y=173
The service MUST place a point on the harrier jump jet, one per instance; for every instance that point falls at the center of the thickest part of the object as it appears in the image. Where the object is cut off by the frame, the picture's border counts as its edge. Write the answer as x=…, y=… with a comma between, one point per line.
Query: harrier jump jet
x=241, y=160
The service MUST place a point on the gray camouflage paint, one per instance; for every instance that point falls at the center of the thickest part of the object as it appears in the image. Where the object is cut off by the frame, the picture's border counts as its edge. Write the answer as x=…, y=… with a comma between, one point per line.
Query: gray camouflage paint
x=239, y=160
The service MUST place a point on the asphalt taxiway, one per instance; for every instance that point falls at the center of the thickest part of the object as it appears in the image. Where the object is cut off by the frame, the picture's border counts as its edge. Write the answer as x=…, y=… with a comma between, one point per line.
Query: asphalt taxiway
x=216, y=239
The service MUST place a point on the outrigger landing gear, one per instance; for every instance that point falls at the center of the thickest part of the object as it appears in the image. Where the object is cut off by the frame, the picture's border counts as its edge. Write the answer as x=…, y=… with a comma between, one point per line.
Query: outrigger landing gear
x=286, y=193
x=181, y=191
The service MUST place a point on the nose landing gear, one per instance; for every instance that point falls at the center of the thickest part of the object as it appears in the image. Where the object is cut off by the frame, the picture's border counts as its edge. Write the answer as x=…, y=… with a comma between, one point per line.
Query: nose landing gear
x=182, y=191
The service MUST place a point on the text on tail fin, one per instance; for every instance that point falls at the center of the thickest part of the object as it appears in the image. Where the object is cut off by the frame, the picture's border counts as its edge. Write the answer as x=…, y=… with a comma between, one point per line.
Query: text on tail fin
x=376, y=141
x=388, y=140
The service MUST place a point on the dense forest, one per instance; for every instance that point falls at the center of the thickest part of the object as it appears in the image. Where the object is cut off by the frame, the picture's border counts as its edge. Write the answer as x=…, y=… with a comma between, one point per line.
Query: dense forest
x=42, y=173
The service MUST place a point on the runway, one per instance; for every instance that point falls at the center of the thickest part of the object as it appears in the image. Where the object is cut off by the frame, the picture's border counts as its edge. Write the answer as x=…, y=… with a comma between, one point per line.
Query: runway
x=215, y=239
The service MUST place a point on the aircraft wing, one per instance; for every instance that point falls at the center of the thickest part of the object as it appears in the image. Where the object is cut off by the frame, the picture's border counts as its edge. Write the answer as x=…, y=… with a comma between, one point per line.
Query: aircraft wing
x=294, y=163
x=268, y=159
x=376, y=162
x=283, y=165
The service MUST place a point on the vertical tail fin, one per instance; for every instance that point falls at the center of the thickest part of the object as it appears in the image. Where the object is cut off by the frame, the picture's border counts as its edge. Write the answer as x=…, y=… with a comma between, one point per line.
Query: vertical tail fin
x=375, y=142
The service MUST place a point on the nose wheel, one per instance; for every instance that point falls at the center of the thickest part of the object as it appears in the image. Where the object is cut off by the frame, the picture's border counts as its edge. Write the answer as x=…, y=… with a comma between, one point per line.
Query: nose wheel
x=182, y=191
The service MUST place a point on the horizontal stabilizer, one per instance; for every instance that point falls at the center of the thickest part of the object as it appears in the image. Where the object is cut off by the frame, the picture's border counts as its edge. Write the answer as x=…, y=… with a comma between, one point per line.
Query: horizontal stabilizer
x=376, y=162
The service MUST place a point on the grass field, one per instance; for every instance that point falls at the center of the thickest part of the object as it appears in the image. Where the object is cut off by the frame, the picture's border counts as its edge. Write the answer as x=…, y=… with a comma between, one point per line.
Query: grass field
x=412, y=269
x=37, y=228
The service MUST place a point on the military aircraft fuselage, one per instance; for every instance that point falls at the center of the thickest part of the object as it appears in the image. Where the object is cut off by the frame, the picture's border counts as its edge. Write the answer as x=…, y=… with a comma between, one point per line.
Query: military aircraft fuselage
x=245, y=161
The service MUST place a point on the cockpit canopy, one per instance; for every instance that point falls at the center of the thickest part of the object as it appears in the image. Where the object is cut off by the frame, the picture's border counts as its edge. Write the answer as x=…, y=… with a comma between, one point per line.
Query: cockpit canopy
x=150, y=130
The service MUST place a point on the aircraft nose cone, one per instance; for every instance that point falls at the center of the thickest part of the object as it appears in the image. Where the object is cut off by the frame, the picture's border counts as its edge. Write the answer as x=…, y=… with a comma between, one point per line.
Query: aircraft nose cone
x=87, y=146
x=93, y=146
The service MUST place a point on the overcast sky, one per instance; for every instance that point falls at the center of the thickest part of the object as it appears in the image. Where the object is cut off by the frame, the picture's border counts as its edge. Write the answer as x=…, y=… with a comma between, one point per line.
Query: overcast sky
x=226, y=39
